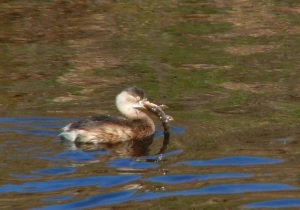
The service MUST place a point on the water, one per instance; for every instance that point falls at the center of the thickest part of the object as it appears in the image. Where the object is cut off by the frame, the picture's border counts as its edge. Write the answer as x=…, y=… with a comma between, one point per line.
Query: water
x=60, y=177
x=228, y=70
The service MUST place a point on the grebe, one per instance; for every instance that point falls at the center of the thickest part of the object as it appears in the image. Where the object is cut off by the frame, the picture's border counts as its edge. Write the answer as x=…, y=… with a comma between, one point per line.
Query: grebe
x=107, y=129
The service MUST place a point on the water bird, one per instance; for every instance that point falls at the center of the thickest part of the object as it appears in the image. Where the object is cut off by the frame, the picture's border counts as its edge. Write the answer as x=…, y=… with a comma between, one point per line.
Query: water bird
x=131, y=102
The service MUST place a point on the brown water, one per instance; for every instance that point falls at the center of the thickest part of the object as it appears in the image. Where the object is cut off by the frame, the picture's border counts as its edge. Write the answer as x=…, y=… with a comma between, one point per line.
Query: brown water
x=228, y=70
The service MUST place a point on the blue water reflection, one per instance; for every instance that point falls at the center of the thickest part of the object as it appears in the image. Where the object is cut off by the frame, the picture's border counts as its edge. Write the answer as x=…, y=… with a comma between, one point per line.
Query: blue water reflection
x=219, y=189
x=233, y=161
x=130, y=195
x=58, y=198
x=280, y=203
x=59, y=161
x=54, y=171
x=52, y=185
x=173, y=129
x=34, y=125
x=95, y=201
x=34, y=120
x=183, y=178
x=130, y=163
x=73, y=156
x=161, y=156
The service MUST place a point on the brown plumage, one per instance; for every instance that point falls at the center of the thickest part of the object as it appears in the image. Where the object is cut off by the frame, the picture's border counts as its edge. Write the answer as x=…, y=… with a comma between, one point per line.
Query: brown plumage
x=108, y=129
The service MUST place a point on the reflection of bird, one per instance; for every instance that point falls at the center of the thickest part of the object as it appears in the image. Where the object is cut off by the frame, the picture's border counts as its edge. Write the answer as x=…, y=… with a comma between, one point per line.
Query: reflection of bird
x=131, y=148
x=108, y=129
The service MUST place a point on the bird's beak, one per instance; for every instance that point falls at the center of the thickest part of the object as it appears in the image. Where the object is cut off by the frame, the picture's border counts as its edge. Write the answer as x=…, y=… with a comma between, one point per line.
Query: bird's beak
x=141, y=104
x=146, y=104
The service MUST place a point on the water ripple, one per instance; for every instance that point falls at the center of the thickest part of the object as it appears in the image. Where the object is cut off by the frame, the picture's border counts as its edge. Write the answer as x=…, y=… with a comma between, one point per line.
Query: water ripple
x=58, y=198
x=52, y=185
x=219, y=189
x=34, y=132
x=130, y=195
x=130, y=163
x=55, y=171
x=183, y=178
x=48, y=127
x=280, y=203
x=161, y=156
x=95, y=201
x=34, y=125
x=74, y=156
x=172, y=129
x=233, y=161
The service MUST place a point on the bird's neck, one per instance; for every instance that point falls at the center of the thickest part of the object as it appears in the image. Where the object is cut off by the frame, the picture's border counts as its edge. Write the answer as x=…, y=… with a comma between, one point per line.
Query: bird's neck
x=141, y=119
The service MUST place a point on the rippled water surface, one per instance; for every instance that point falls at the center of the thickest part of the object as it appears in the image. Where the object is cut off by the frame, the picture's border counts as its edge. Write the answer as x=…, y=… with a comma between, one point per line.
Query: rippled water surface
x=228, y=71
x=58, y=176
